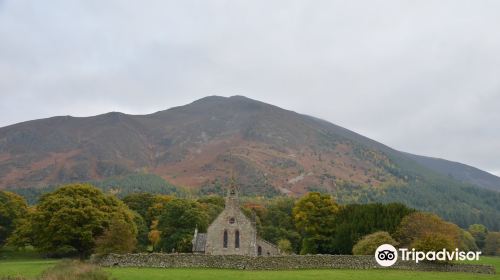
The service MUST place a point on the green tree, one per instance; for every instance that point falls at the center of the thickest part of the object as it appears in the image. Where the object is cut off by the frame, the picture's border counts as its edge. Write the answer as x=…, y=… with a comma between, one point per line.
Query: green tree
x=177, y=223
x=13, y=209
x=479, y=233
x=357, y=220
x=467, y=242
x=141, y=203
x=276, y=222
x=22, y=235
x=212, y=205
x=68, y=220
x=274, y=234
x=118, y=238
x=156, y=209
x=369, y=243
x=142, y=232
x=148, y=205
x=492, y=244
x=314, y=217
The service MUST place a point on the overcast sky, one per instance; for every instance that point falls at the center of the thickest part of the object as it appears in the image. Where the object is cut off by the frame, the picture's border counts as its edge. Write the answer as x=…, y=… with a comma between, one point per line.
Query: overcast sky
x=419, y=76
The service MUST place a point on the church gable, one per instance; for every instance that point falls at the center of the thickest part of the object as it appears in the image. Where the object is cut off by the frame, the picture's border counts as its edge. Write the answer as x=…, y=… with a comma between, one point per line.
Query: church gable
x=232, y=232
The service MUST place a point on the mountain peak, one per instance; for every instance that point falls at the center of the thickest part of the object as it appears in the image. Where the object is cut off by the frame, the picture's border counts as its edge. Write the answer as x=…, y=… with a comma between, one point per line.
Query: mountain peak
x=218, y=98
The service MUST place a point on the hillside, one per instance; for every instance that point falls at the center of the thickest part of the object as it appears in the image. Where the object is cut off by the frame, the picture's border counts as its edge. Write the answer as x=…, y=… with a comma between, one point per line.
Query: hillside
x=459, y=171
x=270, y=150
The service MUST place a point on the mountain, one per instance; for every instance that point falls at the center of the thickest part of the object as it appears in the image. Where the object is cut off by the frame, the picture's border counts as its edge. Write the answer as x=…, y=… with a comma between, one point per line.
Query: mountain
x=460, y=171
x=270, y=151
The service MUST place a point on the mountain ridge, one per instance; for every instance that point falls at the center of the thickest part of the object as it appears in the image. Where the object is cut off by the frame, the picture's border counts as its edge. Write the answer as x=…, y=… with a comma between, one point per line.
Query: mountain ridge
x=67, y=132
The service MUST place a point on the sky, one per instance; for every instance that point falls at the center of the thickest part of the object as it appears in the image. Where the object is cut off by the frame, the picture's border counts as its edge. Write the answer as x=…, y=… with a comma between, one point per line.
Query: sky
x=419, y=76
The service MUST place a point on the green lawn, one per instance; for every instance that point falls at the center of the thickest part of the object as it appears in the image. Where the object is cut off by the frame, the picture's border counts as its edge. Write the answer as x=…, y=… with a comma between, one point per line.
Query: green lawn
x=192, y=274
x=26, y=267
x=494, y=261
x=33, y=267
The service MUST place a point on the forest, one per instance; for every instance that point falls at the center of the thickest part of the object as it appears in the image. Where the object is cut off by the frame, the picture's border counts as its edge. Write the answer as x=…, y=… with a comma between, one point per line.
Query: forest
x=78, y=220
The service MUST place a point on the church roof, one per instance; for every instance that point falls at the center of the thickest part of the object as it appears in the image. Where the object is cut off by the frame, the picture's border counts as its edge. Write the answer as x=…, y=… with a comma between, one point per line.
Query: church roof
x=199, y=243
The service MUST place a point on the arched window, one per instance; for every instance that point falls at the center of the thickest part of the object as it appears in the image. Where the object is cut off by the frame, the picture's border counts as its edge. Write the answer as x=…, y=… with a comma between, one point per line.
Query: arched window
x=237, y=239
x=225, y=239
x=259, y=251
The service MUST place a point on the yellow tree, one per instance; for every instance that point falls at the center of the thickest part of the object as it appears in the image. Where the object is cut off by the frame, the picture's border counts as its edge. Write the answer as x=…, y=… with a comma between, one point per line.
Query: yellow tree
x=314, y=217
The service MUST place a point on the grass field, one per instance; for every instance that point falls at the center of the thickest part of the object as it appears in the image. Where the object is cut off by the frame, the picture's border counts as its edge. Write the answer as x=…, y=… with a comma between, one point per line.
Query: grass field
x=148, y=273
x=33, y=267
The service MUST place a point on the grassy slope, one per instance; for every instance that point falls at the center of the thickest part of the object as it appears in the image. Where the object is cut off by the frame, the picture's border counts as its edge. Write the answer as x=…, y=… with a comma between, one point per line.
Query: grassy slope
x=33, y=267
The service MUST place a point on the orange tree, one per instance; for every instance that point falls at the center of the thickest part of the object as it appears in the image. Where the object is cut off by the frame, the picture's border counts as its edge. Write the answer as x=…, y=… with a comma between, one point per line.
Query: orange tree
x=427, y=230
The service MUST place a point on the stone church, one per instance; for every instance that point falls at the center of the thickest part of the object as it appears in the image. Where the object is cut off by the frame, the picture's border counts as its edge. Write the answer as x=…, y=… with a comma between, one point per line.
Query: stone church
x=232, y=233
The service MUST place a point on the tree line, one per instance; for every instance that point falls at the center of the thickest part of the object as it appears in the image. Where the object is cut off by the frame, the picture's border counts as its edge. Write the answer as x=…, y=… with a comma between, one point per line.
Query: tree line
x=79, y=219
x=467, y=205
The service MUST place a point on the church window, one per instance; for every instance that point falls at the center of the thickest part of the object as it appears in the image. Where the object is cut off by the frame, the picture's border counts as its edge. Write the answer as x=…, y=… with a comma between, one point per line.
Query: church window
x=225, y=239
x=259, y=251
x=237, y=239
x=231, y=220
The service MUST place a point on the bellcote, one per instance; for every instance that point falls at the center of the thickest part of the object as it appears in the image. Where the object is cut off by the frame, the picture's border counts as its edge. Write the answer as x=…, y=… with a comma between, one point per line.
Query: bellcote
x=232, y=195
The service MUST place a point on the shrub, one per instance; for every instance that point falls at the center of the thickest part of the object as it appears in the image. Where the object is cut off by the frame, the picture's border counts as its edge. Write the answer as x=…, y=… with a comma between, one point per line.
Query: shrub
x=369, y=243
x=285, y=246
x=434, y=242
x=74, y=270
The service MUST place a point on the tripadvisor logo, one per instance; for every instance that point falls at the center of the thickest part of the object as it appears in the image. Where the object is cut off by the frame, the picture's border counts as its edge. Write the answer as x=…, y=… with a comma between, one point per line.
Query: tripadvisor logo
x=387, y=255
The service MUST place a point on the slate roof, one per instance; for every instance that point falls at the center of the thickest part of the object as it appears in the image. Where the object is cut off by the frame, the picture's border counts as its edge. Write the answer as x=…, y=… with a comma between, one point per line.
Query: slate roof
x=199, y=243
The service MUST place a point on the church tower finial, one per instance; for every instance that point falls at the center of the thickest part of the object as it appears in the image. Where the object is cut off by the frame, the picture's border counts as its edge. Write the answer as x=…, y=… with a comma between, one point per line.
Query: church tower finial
x=233, y=188
x=232, y=193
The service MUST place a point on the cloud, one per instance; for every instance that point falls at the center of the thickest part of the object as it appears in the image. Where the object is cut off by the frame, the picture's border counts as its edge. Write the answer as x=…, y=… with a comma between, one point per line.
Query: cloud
x=420, y=76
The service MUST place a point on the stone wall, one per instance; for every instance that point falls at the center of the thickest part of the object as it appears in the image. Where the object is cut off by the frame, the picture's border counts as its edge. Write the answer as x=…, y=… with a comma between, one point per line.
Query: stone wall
x=273, y=262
